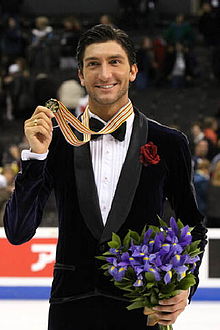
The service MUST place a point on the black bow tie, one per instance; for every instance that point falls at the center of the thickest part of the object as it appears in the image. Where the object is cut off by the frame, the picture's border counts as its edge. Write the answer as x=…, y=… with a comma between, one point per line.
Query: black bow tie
x=96, y=125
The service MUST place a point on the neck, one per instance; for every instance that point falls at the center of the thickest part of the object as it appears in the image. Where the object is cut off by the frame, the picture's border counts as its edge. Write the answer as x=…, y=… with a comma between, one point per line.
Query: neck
x=106, y=112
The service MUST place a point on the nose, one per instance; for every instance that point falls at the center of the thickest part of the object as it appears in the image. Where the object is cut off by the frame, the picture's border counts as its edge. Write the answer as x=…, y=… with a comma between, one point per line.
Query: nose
x=105, y=72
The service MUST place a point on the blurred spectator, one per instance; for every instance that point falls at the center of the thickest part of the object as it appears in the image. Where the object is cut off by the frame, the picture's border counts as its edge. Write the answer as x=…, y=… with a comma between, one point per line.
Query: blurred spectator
x=17, y=86
x=210, y=127
x=69, y=93
x=2, y=102
x=12, y=154
x=180, y=31
x=106, y=19
x=7, y=176
x=217, y=117
x=68, y=42
x=179, y=66
x=6, y=187
x=208, y=25
x=201, y=150
x=12, y=42
x=196, y=132
x=146, y=64
x=43, y=51
x=1, y=154
x=201, y=183
x=214, y=161
x=159, y=47
x=213, y=211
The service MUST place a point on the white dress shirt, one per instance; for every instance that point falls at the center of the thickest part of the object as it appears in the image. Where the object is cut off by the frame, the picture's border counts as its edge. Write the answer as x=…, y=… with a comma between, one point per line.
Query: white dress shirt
x=108, y=156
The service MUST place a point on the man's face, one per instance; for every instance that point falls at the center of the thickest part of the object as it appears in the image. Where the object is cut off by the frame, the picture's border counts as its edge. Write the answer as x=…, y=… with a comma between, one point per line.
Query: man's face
x=201, y=149
x=106, y=74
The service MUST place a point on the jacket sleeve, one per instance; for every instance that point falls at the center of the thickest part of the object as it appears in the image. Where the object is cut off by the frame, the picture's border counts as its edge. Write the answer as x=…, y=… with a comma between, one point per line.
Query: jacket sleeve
x=181, y=193
x=24, y=209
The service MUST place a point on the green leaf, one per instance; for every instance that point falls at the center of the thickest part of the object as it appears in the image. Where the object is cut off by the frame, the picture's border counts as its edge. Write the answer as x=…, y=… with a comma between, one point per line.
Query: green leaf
x=130, y=273
x=100, y=258
x=150, y=277
x=155, y=229
x=135, y=305
x=187, y=282
x=107, y=253
x=105, y=266
x=194, y=245
x=116, y=238
x=162, y=222
x=168, y=295
x=114, y=245
x=180, y=224
x=195, y=253
x=127, y=287
x=186, y=250
x=153, y=298
x=143, y=233
x=131, y=295
x=126, y=241
x=138, y=299
x=149, y=285
x=165, y=289
x=135, y=236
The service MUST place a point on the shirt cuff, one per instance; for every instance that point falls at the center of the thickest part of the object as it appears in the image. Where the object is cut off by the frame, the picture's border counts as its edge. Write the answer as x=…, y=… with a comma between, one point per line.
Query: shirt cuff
x=28, y=155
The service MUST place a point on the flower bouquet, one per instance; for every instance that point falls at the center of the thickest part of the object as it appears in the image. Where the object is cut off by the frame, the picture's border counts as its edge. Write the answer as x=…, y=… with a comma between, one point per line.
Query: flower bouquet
x=152, y=266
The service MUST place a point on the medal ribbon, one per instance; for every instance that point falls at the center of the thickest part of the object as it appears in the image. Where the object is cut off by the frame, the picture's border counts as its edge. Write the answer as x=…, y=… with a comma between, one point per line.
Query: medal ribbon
x=64, y=117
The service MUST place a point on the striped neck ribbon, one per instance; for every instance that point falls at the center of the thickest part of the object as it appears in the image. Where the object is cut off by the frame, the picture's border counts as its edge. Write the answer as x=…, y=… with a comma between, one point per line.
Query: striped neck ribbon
x=64, y=117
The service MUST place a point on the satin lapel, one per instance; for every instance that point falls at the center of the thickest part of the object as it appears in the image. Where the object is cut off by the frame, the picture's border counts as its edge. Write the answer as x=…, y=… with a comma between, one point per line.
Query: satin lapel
x=87, y=192
x=128, y=180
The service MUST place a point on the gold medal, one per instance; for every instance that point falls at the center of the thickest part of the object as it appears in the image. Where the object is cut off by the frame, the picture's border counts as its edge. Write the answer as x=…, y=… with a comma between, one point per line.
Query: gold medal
x=52, y=104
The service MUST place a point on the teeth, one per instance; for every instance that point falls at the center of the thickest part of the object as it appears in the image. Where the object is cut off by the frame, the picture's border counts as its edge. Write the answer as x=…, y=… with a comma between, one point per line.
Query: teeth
x=106, y=86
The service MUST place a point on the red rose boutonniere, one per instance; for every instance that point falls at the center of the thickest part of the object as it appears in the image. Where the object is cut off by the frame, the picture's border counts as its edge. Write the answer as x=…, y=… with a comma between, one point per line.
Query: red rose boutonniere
x=148, y=154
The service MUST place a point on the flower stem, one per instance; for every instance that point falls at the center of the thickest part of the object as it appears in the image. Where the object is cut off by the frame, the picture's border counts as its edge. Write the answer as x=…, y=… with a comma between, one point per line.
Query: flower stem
x=165, y=327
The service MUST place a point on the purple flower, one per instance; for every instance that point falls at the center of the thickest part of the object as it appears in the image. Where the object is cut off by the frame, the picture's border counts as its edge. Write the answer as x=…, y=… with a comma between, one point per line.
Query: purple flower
x=174, y=226
x=139, y=281
x=181, y=271
x=149, y=268
x=185, y=237
x=168, y=277
x=147, y=236
x=117, y=272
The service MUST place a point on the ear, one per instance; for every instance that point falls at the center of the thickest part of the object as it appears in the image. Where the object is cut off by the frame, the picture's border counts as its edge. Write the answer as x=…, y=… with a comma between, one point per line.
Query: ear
x=133, y=72
x=81, y=77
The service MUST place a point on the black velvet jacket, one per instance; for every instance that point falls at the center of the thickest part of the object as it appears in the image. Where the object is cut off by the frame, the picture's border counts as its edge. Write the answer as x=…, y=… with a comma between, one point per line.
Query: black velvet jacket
x=138, y=199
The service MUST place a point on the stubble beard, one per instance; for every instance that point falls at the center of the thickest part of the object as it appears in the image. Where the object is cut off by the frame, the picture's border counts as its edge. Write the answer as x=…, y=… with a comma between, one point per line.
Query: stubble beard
x=102, y=101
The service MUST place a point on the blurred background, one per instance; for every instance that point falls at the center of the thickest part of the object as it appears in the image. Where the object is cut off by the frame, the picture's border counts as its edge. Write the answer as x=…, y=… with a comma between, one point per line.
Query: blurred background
x=178, y=52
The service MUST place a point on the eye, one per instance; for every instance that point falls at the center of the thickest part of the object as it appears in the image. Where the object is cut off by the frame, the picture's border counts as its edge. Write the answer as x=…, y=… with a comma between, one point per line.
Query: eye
x=115, y=61
x=93, y=63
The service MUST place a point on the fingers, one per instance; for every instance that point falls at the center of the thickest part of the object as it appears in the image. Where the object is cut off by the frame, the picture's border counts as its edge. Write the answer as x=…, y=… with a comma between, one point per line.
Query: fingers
x=41, y=118
x=168, y=318
x=183, y=295
x=169, y=309
x=38, y=129
x=45, y=110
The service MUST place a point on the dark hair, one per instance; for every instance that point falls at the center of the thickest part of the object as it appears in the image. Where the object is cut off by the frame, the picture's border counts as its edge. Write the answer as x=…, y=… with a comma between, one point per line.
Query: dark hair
x=102, y=33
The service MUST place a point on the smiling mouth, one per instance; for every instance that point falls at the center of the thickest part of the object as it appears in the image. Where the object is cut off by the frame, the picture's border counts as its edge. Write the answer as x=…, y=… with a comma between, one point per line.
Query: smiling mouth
x=106, y=86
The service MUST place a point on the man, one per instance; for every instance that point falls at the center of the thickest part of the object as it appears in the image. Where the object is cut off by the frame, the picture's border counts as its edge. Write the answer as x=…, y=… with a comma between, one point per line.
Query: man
x=100, y=188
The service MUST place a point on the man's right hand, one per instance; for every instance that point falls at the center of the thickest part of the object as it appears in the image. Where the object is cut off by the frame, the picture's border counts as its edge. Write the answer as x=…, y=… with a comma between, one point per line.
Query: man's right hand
x=38, y=130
